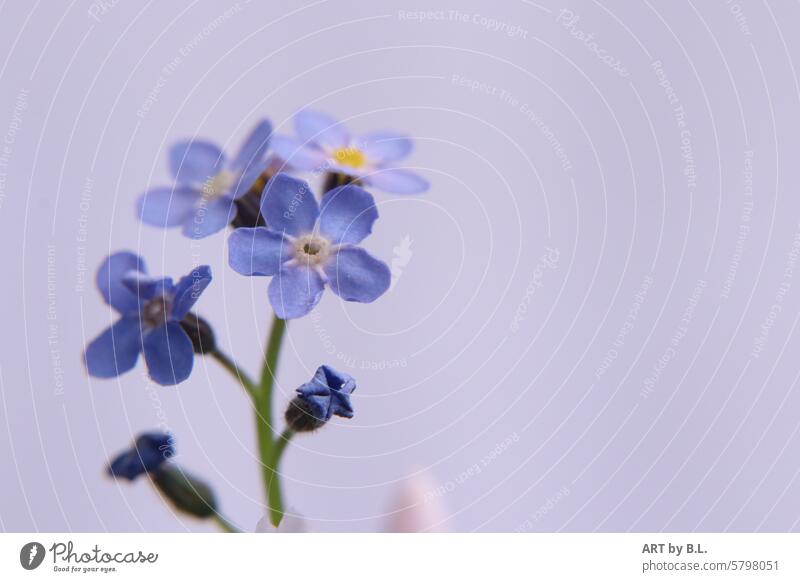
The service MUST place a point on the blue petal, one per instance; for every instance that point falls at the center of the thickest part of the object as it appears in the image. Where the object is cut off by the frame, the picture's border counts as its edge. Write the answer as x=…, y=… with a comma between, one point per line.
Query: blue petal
x=313, y=126
x=347, y=214
x=126, y=465
x=210, y=217
x=340, y=405
x=110, y=277
x=288, y=205
x=355, y=275
x=257, y=251
x=189, y=289
x=334, y=379
x=398, y=181
x=155, y=448
x=169, y=354
x=254, y=147
x=116, y=350
x=295, y=291
x=166, y=206
x=299, y=155
x=315, y=387
x=385, y=146
x=146, y=287
x=194, y=162
x=246, y=180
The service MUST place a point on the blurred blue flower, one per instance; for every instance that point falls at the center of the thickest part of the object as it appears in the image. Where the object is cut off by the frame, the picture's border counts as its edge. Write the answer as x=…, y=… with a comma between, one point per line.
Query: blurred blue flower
x=307, y=245
x=328, y=393
x=149, y=452
x=201, y=201
x=324, y=144
x=150, y=309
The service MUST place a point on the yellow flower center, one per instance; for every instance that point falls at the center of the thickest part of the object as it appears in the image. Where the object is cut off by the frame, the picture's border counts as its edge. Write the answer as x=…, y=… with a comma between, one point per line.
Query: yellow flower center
x=351, y=157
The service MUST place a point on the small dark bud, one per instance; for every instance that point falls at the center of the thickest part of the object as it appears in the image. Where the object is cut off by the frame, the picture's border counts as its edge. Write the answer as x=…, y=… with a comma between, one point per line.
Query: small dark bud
x=335, y=179
x=248, y=207
x=200, y=332
x=185, y=493
x=248, y=213
x=299, y=417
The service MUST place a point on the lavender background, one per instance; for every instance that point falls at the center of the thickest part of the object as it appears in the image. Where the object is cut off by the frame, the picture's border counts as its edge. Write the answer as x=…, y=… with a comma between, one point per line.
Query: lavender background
x=594, y=320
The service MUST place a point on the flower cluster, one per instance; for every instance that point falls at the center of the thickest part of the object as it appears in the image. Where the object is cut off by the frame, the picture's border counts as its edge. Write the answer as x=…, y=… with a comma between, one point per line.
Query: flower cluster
x=280, y=229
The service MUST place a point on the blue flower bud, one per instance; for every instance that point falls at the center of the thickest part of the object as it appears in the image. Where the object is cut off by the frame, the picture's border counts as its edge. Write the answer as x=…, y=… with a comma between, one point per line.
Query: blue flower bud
x=327, y=393
x=148, y=454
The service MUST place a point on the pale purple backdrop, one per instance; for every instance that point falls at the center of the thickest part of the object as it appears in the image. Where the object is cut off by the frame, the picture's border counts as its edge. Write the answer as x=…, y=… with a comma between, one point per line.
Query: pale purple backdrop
x=593, y=323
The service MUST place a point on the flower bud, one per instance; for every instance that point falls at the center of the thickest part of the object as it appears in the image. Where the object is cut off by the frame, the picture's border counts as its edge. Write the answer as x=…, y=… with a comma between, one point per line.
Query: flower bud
x=186, y=493
x=200, y=332
x=336, y=179
x=149, y=453
x=248, y=207
x=300, y=418
x=248, y=210
x=327, y=394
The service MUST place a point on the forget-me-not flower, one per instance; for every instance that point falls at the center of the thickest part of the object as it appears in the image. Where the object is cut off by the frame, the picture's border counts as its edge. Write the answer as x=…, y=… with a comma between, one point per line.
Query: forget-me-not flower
x=307, y=245
x=151, y=310
x=201, y=201
x=149, y=452
x=324, y=144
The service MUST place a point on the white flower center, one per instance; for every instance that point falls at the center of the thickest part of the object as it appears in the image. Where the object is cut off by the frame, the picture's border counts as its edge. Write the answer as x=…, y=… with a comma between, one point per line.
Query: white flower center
x=156, y=311
x=217, y=185
x=312, y=250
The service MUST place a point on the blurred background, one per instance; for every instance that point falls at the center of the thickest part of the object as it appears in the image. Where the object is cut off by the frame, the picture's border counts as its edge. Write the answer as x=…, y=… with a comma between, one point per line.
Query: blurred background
x=593, y=320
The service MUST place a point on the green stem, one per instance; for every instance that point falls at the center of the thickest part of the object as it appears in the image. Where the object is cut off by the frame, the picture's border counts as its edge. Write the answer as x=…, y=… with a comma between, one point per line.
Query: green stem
x=225, y=525
x=236, y=371
x=267, y=447
x=270, y=367
x=274, y=491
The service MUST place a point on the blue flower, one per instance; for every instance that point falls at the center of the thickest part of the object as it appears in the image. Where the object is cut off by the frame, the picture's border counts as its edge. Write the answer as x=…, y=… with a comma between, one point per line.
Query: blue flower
x=323, y=144
x=328, y=393
x=150, y=309
x=148, y=453
x=201, y=201
x=306, y=246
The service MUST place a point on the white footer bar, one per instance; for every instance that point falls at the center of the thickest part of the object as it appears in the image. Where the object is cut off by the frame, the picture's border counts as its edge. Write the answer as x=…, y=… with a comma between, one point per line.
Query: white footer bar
x=410, y=558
